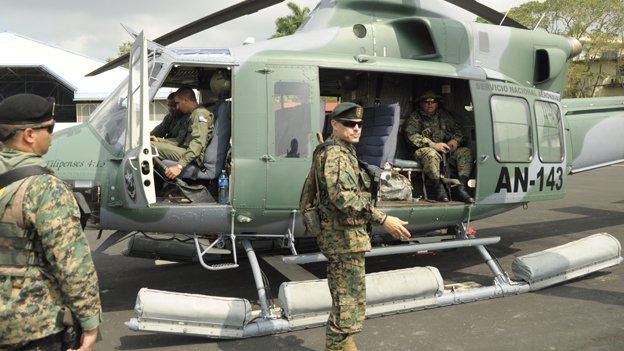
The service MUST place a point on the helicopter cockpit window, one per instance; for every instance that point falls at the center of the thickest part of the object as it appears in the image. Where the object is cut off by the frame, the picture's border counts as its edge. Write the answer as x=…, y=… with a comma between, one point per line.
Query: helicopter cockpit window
x=512, y=129
x=292, y=119
x=109, y=120
x=549, y=129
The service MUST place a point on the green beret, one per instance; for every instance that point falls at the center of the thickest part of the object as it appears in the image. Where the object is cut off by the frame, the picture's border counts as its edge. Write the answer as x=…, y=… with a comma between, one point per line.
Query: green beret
x=23, y=109
x=430, y=94
x=347, y=110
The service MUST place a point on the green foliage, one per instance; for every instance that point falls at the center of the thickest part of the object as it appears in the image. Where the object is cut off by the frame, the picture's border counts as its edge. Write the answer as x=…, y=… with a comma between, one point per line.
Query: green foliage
x=289, y=24
x=598, y=24
x=123, y=48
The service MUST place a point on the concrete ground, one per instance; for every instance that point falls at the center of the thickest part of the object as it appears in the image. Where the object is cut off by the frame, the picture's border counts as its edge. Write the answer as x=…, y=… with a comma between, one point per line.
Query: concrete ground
x=584, y=314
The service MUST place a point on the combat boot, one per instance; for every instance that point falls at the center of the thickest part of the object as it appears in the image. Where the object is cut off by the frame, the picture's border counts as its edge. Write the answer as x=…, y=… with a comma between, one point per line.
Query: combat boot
x=438, y=192
x=460, y=192
x=350, y=344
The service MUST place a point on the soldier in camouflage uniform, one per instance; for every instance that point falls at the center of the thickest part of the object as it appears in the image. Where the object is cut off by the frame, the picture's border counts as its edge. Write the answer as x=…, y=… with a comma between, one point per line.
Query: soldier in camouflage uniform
x=191, y=144
x=346, y=212
x=434, y=132
x=45, y=261
x=174, y=125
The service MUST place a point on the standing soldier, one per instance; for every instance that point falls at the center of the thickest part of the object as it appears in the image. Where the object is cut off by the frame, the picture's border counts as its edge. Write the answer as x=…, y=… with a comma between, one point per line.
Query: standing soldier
x=434, y=132
x=46, y=269
x=345, y=212
x=191, y=144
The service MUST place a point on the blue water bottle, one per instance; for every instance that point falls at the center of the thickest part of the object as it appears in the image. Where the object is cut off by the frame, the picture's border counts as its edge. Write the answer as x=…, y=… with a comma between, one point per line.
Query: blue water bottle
x=223, y=188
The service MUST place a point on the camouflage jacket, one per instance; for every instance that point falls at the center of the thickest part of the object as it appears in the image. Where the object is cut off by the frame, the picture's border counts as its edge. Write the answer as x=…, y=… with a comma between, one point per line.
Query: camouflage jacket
x=346, y=206
x=172, y=128
x=199, y=133
x=29, y=304
x=422, y=130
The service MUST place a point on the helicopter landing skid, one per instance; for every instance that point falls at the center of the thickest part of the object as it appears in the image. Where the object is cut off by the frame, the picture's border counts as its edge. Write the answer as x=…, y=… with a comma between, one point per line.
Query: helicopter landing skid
x=306, y=304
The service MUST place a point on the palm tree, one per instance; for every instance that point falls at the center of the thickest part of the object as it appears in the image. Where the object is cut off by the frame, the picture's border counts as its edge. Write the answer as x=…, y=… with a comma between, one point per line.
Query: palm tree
x=289, y=24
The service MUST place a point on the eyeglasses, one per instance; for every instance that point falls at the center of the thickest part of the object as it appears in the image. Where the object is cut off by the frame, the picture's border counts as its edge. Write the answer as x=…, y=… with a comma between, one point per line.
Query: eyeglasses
x=351, y=124
x=49, y=128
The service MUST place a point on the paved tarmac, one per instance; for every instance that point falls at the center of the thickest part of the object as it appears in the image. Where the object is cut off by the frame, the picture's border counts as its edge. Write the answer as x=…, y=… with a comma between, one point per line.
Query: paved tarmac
x=584, y=314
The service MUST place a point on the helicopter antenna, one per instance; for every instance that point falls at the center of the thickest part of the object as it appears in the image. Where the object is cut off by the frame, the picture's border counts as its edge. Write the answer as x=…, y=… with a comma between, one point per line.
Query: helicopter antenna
x=503, y=20
x=540, y=21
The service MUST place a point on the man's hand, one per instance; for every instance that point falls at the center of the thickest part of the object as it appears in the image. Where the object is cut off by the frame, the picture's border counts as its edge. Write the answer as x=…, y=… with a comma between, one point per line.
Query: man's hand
x=173, y=172
x=441, y=147
x=452, y=144
x=87, y=340
x=396, y=227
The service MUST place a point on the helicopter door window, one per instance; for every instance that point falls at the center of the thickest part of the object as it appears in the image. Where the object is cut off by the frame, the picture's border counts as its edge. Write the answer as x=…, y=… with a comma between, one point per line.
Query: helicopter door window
x=549, y=129
x=292, y=119
x=512, y=129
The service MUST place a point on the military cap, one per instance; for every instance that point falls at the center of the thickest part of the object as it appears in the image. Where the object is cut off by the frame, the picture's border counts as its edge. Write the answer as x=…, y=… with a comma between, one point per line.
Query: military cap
x=430, y=94
x=24, y=109
x=347, y=111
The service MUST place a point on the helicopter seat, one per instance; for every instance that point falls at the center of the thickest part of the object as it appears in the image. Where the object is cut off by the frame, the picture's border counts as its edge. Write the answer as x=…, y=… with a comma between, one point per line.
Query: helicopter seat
x=379, y=135
x=216, y=150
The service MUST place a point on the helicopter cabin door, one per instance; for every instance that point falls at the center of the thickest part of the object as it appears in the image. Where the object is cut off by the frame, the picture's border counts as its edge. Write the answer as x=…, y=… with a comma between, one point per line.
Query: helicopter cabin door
x=138, y=171
x=520, y=155
x=293, y=120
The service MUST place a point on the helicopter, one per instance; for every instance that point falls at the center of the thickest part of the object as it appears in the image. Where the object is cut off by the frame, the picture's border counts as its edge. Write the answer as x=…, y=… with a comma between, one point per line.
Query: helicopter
x=502, y=82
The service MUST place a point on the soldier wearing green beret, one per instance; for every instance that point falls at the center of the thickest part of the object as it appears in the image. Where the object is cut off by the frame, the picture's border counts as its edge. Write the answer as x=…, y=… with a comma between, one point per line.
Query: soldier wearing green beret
x=346, y=211
x=45, y=262
x=434, y=132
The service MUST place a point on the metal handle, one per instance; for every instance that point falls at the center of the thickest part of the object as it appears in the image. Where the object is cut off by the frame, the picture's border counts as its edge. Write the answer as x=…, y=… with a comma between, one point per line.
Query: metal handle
x=267, y=158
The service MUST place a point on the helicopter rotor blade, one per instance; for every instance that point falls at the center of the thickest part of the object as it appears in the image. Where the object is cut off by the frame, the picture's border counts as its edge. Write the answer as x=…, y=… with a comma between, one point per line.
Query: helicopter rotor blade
x=237, y=10
x=486, y=12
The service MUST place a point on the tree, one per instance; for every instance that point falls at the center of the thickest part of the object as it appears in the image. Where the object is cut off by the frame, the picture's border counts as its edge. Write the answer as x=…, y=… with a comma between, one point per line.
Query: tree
x=598, y=24
x=123, y=48
x=289, y=24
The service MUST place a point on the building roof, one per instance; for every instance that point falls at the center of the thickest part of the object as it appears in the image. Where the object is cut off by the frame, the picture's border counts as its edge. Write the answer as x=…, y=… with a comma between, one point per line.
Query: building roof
x=68, y=67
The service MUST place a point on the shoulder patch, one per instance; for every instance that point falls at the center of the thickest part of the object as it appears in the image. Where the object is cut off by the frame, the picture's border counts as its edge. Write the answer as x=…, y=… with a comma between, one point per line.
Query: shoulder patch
x=202, y=119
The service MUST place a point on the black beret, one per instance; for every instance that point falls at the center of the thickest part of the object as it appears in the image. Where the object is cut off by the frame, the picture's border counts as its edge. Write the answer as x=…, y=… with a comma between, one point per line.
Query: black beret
x=347, y=110
x=25, y=109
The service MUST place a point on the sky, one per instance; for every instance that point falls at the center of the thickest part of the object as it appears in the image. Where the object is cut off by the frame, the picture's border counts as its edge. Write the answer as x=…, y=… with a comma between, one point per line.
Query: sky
x=93, y=27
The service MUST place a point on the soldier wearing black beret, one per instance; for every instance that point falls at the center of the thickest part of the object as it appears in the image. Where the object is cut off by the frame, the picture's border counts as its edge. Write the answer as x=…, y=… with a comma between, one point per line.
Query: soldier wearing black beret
x=25, y=111
x=47, y=274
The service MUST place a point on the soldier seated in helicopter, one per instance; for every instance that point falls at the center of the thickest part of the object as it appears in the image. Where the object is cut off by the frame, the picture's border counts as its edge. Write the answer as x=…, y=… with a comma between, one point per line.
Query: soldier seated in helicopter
x=435, y=135
x=190, y=142
x=173, y=125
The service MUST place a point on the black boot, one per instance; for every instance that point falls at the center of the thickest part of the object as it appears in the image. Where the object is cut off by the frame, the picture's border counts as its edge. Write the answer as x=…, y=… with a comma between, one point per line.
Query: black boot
x=438, y=192
x=460, y=192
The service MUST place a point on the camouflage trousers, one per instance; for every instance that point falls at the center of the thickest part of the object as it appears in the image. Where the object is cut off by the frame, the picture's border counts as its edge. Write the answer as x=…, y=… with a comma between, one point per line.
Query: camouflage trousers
x=347, y=286
x=52, y=342
x=431, y=159
x=168, y=150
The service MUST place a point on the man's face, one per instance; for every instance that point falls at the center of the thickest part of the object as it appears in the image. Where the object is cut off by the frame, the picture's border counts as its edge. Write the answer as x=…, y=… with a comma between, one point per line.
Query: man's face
x=349, y=130
x=171, y=106
x=183, y=105
x=42, y=137
x=429, y=106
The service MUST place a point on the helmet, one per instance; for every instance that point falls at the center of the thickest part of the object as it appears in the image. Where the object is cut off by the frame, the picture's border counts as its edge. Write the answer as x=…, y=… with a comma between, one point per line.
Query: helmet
x=220, y=83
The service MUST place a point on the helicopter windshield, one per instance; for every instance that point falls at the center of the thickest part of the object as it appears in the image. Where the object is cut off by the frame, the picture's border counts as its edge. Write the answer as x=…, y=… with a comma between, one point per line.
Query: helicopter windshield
x=110, y=119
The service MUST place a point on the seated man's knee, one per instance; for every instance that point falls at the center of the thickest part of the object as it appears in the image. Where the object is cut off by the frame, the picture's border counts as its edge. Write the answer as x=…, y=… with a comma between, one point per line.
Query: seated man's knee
x=428, y=153
x=463, y=152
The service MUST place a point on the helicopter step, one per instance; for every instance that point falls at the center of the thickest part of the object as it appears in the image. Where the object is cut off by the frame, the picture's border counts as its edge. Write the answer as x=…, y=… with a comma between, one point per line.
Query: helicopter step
x=306, y=304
